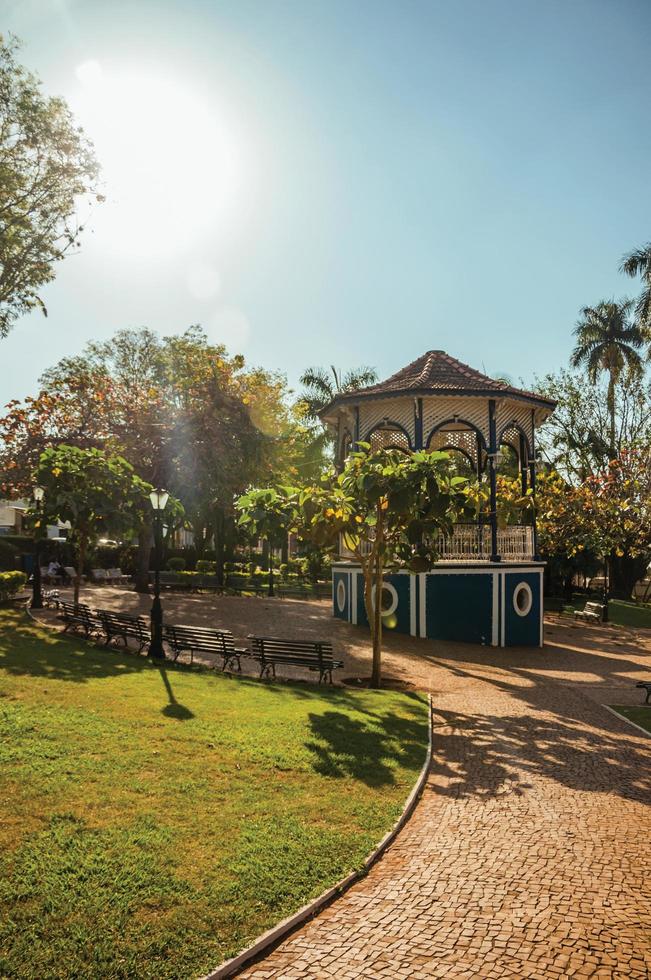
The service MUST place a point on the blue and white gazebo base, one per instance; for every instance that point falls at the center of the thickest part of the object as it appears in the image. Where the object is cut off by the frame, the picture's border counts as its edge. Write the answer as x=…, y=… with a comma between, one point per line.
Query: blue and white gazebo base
x=494, y=604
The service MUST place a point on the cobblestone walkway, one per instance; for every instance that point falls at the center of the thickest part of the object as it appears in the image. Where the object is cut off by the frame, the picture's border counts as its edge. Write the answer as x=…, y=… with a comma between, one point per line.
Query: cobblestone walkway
x=528, y=855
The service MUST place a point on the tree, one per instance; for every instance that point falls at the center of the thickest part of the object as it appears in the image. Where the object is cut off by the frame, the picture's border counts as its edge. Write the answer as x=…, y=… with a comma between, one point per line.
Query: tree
x=322, y=386
x=608, y=341
x=638, y=263
x=608, y=515
x=183, y=412
x=96, y=492
x=269, y=513
x=46, y=166
x=575, y=439
x=387, y=508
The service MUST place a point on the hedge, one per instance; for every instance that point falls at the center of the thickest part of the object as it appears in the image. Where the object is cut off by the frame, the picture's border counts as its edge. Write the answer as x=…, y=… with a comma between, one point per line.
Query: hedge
x=11, y=583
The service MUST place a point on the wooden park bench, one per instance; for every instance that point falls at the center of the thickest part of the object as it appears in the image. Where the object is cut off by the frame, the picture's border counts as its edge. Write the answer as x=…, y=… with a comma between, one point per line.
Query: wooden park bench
x=197, y=639
x=271, y=652
x=121, y=626
x=237, y=587
x=98, y=576
x=293, y=591
x=117, y=575
x=592, y=612
x=646, y=685
x=79, y=618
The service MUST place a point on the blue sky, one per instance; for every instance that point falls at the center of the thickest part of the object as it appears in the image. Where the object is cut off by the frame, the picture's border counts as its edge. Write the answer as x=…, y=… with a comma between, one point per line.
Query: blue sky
x=362, y=181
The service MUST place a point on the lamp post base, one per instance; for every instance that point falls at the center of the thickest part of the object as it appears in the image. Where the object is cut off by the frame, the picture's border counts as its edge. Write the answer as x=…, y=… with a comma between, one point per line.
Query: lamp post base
x=156, y=650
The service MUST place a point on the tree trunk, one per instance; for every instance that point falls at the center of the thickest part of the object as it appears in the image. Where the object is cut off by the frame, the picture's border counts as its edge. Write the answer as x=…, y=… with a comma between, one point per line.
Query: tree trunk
x=143, y=559
x=624, y=573
x=219, y=533
x=284, y=550
x=264, y=561
x=376, y=633
x=611, y=412
x=81, y=561
x=271, y=568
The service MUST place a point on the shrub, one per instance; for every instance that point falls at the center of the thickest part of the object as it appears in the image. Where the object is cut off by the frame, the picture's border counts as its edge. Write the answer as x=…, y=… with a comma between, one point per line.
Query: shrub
x=176, y=564
x=283, y=570
x=252, y=567
x=11, y=583
x=206, y=567
x=8, y=556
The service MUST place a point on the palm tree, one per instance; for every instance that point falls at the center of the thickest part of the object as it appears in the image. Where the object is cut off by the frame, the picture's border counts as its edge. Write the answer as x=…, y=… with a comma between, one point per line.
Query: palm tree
x=608, y=340
x=638, y=263
x=322, y=386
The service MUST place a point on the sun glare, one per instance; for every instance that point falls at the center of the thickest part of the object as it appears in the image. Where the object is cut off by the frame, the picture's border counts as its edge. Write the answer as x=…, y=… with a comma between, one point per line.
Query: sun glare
x=170, y=167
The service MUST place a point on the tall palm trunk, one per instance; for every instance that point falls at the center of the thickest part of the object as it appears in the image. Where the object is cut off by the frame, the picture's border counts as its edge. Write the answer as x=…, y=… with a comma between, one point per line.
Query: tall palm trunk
x=611, y=412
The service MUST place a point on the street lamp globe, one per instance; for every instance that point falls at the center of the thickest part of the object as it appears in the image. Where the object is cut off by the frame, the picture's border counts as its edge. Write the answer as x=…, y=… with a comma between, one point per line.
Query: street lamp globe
x=159, y=499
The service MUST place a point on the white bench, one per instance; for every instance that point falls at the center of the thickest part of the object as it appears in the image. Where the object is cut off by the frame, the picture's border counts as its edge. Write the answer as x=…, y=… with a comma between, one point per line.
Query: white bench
x=592, y=612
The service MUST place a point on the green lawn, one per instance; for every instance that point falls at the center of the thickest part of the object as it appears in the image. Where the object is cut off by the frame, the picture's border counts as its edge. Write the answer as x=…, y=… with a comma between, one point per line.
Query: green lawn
x=154, y=819
x=641, y=714
x=620, y=613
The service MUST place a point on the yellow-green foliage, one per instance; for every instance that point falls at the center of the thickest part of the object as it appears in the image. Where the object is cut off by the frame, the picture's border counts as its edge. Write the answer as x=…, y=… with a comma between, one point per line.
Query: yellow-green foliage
x=11, y=583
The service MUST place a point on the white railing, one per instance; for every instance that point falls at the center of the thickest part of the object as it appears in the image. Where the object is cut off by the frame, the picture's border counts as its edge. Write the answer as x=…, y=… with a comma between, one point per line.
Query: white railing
x=470, y=542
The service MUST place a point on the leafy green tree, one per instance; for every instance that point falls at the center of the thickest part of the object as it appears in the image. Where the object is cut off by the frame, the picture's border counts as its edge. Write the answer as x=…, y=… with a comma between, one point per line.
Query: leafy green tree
x=386, y=508
x=184, y=413
x=607, y=340
x=269, y=513
x=96, y=492
x=608, y=515
x=47, y=166
x=638, y=263
x=575, y=439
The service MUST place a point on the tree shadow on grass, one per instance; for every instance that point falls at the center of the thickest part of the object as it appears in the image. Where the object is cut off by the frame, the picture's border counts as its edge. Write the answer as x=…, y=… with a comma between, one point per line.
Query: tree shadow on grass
x=369, y=749
x=27, y=649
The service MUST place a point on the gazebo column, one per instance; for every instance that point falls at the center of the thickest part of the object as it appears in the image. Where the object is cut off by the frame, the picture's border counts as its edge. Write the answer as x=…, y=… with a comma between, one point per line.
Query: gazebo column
x=523, y=465
x=418, y=423
x=480, y=535
x=492, y=475
x=532, y=468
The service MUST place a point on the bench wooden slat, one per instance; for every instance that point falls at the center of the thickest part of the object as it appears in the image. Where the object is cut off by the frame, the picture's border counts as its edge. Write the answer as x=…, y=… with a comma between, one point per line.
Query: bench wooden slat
x=202, y=639
x=313, y=654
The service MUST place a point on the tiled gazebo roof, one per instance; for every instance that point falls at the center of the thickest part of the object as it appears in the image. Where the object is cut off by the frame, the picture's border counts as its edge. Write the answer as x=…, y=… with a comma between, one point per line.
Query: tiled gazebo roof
x=436, y=373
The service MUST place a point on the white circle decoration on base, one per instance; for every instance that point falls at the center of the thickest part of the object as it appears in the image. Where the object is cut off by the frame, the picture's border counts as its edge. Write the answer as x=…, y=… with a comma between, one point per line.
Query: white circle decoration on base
x=389, y=589
x=341, y=595
x=522, y=599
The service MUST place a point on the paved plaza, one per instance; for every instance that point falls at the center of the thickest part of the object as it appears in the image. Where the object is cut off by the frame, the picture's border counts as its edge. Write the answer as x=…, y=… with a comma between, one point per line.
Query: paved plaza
x=528, y=855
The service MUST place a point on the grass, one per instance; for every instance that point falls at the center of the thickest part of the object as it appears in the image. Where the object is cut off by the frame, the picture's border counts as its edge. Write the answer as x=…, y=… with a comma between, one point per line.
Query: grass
x=620, y=613
x=157, y=819
x=640, y=714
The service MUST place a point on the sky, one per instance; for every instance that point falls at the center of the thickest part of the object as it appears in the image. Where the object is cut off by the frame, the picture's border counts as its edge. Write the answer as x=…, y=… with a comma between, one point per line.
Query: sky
x=331, y=182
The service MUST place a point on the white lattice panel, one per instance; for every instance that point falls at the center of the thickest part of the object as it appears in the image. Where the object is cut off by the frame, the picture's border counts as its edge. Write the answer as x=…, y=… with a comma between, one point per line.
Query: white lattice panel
x=400, y=410
x=466, y=409
x=389, y=438
x=512, y=412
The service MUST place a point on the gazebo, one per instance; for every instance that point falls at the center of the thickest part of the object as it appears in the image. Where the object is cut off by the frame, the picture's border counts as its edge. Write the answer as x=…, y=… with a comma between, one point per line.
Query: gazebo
x=487, y=585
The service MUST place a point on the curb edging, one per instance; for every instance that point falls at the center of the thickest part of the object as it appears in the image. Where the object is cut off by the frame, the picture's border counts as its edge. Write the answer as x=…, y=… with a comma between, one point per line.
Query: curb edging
x=274, y=936
x=627, y=720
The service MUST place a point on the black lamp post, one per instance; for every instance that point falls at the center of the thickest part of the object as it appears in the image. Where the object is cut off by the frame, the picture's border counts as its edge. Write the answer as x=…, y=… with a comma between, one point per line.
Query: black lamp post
x=37, y=595
x=159, y=500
